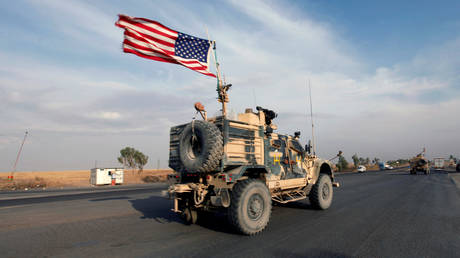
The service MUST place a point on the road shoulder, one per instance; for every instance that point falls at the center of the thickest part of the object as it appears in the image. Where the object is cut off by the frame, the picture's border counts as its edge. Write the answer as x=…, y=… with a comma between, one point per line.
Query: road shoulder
x=18, y=195
x=455, y=178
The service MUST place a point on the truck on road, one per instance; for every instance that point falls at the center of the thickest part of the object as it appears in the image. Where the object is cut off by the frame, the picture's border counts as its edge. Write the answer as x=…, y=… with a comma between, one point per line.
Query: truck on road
x=438, y=163
x=240, y=166
x=419, y=164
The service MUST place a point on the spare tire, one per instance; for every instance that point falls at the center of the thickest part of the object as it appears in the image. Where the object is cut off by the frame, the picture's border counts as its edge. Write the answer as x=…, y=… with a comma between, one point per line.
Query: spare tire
x=200, y=147
x=422, y=162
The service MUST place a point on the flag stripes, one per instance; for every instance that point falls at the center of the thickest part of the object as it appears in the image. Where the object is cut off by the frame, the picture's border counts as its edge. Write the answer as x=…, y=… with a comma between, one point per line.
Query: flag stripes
x=152, y=40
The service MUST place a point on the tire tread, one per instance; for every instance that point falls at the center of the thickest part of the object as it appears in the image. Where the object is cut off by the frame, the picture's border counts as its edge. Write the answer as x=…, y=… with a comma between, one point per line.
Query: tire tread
x=214, y=153
x=314, y=195
x=237, y=194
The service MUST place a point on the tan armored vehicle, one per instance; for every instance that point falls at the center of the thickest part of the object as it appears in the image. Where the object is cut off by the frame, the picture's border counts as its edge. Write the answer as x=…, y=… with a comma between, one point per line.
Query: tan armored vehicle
x=241, y=166
x=419, y=164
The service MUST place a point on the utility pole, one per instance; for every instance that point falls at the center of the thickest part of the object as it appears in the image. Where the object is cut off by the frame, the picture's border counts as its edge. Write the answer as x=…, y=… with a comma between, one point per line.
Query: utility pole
x=17, y=157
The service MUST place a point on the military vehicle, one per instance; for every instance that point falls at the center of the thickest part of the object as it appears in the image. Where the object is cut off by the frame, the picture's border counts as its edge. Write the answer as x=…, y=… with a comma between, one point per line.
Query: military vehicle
x=240, y=166
x=419, y=164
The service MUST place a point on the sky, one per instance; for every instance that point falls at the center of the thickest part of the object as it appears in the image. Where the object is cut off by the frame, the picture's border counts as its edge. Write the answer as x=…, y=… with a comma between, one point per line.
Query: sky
x=384, y=76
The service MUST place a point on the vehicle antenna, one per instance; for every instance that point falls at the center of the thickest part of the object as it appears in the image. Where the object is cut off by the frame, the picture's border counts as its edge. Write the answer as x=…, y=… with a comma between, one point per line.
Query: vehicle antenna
x=254, y=95
x=19, y=154
x=312, y=126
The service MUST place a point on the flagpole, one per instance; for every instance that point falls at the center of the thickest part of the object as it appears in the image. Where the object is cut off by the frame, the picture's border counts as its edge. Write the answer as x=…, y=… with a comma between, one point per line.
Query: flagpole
x=221, y=90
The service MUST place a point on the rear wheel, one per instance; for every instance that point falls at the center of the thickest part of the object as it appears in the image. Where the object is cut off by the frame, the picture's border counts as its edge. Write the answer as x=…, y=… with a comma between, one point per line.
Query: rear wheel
x=250, y=208
x=190, y=216
x=321, y=193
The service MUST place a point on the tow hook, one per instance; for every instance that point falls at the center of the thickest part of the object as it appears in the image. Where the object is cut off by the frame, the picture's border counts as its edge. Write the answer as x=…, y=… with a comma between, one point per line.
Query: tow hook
x=335, y=184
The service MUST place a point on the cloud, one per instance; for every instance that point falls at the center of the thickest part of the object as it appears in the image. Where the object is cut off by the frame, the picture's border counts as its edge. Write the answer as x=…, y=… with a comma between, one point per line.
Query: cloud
x=108, y=115
x=79, y=21
x=305, y=43
x=62, y=99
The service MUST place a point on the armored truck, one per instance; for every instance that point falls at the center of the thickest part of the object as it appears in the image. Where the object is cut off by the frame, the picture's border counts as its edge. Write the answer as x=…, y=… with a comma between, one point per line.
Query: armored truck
x=240, y=166
x=419, y=164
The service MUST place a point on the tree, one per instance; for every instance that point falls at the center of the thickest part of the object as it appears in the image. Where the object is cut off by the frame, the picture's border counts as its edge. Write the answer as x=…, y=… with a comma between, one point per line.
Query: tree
x=403, y=161
x=342, y=163
x=393, y=163
x=355, y=160
x=367, y=161
x=141, y=160
x=132, y=158
x=376, y=160
x=127, y=157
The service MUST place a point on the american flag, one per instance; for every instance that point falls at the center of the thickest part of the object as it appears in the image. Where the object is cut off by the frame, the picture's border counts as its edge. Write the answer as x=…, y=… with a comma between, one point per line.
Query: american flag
x=152, y=40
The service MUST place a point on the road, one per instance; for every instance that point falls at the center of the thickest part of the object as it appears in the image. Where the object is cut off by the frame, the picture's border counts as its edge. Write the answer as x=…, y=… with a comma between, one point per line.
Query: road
x=375, y=214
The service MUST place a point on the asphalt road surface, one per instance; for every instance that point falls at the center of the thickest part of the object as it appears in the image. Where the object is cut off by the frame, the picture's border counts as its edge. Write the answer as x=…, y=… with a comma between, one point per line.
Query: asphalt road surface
x=375, y=214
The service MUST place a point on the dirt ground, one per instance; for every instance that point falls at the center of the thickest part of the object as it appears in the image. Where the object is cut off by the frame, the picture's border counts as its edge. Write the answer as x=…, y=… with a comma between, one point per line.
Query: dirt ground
x=72, y=178
x=80, y=178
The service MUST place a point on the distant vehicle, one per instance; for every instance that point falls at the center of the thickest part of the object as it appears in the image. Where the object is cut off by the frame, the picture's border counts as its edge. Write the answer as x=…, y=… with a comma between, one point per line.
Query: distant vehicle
x=381, y=166
x=438, y=163
x=419, y=163
x=361, y=169
x=388, y=167
x=458, y=166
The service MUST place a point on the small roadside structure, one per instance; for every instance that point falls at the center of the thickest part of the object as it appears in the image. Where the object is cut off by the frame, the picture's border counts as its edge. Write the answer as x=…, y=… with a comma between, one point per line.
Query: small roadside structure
x=104, y=176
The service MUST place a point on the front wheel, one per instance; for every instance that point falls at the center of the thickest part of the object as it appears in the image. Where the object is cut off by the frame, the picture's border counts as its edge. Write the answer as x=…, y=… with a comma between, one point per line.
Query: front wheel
x=250, y=208
x=321, y=193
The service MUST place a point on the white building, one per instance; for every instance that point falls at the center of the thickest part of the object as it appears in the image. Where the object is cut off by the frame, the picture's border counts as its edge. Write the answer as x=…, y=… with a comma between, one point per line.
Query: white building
x=104, y=176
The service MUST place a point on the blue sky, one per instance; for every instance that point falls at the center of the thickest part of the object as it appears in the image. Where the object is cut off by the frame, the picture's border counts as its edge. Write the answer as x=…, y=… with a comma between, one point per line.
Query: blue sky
x=385, y=76
x=401, y=28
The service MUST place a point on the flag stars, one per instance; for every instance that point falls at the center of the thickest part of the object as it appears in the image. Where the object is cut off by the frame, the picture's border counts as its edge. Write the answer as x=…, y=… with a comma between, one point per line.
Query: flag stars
x=190, y=47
